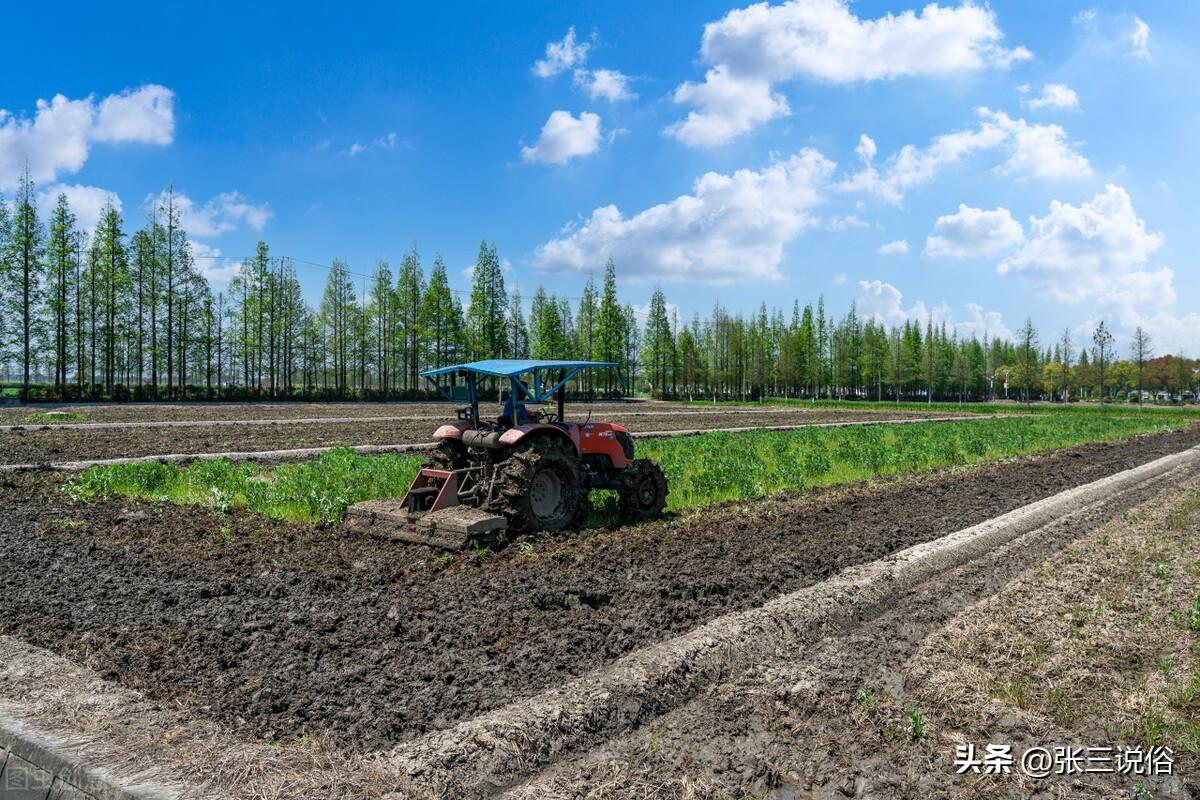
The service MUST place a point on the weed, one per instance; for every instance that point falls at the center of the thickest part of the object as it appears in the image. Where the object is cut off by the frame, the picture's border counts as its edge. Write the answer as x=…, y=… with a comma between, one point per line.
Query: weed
x=1154, y=724
x=1164, y=666
x=866, y=699
x=51, y=417
x=653, y=741
x=914, y=724
x=1162, y=572
x=1189, y=617
x=525, y=547
x=482, y=554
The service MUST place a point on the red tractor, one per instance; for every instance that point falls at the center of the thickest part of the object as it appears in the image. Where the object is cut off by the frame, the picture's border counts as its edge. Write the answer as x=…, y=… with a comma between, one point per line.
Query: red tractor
x=519, y=471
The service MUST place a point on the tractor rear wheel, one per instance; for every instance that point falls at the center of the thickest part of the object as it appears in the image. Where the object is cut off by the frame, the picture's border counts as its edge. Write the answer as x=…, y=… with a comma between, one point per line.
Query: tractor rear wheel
x=643, y=492
x=449, y=454
x=540, y=487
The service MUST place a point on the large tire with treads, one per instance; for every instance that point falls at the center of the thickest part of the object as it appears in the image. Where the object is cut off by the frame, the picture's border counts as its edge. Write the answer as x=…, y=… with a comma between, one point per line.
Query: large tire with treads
x=540, y=488
x=449, y=454
x=643, y=492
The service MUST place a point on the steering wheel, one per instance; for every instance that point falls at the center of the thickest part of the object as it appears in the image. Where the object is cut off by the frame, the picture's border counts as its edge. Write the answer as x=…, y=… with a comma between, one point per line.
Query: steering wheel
x=547, y=417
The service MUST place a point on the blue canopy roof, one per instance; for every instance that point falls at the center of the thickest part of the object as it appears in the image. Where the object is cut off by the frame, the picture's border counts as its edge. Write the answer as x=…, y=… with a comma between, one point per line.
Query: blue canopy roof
x=507, y=368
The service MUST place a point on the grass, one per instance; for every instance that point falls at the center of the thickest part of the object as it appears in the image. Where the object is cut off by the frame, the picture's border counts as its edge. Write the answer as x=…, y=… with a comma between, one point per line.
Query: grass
x=50, y=417
x=318, y=490
x=736, y=466
x=701, y=470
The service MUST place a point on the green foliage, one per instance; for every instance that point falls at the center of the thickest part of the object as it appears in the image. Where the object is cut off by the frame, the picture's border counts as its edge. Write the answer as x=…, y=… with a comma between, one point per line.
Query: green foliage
x=1189, y=617
x=52, y=417
x=914, y=724
x=318, y=490
x=701, y=469
x=721, y=466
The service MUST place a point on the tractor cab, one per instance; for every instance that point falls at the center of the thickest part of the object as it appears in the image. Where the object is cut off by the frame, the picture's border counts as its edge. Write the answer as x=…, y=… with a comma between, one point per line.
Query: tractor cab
x=521, y=468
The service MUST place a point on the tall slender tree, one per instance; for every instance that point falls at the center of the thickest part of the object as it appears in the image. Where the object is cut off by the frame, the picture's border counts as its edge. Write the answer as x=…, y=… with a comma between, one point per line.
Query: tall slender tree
x=60, y=262
x=486, y=316
x=1102, y=344
x=25, y=269
x=1141, y=350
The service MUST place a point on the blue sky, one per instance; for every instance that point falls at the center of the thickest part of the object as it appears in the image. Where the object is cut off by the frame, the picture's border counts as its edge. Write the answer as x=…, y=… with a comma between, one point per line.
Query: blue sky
x=1032, y=158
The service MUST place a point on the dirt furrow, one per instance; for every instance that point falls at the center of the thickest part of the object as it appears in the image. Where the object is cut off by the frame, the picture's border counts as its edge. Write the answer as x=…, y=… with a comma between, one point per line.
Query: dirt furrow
x=280, y=630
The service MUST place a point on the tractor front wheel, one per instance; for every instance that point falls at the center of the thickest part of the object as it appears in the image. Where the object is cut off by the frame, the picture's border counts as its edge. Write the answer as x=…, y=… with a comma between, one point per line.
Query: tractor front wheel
x=540, y=488
x=643, y=492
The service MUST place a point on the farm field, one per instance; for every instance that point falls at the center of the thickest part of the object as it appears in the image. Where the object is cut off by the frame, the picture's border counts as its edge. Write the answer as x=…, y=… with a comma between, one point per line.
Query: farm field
x=281, y=630
x=1090, y=645
x=404, y=424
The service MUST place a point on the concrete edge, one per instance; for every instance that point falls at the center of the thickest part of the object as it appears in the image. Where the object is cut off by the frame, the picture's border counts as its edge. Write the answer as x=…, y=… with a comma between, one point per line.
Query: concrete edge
x=494, y=750
x=70, y=764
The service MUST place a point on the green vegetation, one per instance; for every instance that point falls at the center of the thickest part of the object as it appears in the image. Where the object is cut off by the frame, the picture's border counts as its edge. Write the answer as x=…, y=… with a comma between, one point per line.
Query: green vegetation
x=314, y=490
x=733, y=466
x=701, y=469
x=1189, y=617
x=52, y=417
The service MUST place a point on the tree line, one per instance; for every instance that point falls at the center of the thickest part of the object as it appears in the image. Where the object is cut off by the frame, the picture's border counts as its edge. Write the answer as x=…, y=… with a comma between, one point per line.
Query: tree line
x=110, y=314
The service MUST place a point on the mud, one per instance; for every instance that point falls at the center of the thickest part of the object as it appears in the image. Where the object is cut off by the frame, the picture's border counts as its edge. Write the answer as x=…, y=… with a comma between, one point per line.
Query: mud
x=40, y=444
x=279, y=631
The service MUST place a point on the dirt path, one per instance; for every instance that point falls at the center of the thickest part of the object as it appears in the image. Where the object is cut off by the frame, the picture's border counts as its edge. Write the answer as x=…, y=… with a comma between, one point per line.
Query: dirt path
x=208, y=412
x=280, y=630
x=1048, y=644
x=59, y=443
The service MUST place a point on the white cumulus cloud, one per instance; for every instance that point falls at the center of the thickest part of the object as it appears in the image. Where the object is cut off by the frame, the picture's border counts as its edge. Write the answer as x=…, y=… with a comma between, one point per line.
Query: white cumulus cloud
x=1055, y=96
x=137, y=115
x=226, y=212
x=761, y=44
x=58, y=138
x=561, y=56
x=730, y=227
x=86, y=202
x=1036, y=150
x=729, y=106
x=973, y=233
x=884, y=303
x=1091, y=251
x=896, y=248
x=564, y=137
x=216, y=268
x=605, y=84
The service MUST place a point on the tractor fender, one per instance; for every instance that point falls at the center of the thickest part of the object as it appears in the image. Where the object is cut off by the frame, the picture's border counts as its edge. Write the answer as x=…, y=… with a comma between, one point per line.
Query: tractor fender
x=514, y=435
x=451, y=430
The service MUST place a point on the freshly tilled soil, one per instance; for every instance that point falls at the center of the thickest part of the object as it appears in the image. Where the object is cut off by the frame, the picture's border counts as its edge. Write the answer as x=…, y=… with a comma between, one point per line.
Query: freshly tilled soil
x=42, y=444
x=283, y=630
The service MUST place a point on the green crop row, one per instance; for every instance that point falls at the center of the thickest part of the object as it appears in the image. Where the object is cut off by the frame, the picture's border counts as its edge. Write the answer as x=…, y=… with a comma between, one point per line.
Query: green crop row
x=734, y=466
x=701, y=469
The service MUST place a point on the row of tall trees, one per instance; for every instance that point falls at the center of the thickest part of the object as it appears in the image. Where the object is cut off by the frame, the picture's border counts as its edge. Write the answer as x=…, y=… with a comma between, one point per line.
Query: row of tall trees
x=107, y=313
